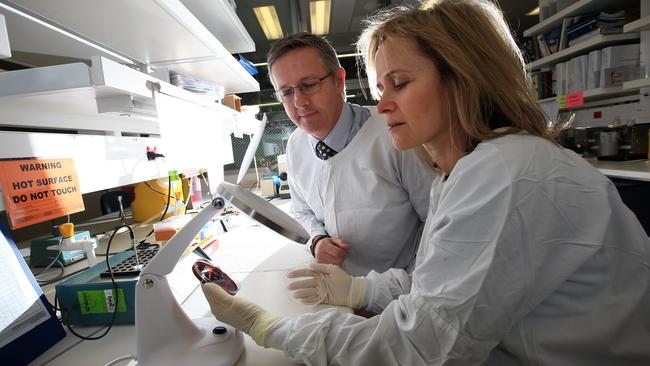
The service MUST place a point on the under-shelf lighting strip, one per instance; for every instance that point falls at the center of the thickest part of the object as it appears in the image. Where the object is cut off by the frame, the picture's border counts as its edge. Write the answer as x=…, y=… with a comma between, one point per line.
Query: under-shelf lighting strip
x=68, y=33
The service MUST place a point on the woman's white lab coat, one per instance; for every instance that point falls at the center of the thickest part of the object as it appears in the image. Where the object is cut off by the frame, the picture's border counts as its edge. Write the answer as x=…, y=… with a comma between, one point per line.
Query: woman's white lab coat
x=528, y=257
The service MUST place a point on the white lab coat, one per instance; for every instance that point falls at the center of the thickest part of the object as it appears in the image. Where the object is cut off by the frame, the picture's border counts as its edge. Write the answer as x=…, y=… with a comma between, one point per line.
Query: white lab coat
x=528, y=257
x=369, y=194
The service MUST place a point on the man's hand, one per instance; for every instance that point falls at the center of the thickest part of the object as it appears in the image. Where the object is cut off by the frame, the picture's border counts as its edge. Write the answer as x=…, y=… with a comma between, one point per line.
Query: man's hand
x=239, y=313
x=327, y=284
x=331, y=251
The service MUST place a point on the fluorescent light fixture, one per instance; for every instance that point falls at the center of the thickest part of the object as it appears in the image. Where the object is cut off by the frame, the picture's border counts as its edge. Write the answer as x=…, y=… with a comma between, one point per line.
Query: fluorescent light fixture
x=66, y=33
x=350, y=95
x=266, y=104
x=259, y=64
x=534, y=11
x=349, y=55
x=319, y=16
x=269, y=21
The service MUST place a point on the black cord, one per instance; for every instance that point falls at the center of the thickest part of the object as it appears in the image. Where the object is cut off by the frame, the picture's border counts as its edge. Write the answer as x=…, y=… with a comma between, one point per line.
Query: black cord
x=115, y=289
x=153, y=189
x=223, y=226
x=169, y=197
x=64, y=277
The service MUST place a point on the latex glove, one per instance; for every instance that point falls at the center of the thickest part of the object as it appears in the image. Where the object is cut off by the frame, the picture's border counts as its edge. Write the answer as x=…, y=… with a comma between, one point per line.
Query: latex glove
x=331, y=251
x=240, y=313
x=327, y=284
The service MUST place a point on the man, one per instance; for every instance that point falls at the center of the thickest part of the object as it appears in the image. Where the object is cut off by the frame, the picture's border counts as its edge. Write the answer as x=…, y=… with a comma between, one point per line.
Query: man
x=362, y=201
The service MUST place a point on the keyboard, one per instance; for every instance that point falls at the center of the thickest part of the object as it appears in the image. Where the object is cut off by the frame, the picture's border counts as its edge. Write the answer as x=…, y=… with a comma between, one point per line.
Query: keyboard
x=129, y=266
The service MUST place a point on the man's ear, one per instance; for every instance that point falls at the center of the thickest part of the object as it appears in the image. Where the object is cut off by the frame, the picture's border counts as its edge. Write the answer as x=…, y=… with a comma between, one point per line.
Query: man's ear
x=340, y=79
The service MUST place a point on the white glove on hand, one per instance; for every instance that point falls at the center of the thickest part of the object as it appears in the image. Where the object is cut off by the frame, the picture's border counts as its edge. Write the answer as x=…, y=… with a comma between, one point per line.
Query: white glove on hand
x=327, y=284
x=239, y=313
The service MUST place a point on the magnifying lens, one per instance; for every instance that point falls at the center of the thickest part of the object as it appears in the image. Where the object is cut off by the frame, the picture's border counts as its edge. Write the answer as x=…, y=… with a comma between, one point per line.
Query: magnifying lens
x=207, y=272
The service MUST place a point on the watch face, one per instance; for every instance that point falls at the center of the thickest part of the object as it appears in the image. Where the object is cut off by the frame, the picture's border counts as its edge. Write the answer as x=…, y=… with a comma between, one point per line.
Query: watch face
x=207, y=272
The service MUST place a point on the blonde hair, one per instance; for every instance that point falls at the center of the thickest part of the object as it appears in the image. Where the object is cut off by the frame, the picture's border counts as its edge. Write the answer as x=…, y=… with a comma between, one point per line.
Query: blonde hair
x=482, y=69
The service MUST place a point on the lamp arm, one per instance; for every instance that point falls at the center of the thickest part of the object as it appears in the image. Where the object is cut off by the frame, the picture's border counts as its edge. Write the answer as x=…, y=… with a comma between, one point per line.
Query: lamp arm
x=164, y=262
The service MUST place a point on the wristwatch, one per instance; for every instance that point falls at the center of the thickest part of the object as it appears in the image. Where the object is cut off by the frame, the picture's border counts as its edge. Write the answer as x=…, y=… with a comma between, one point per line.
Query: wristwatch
x=314, y=241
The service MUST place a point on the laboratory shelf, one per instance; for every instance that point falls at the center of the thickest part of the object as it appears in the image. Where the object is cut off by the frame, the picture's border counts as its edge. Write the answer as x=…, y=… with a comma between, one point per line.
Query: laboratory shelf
x=637, y=25
x=151, y=34
x=636, y=84
x=595, y=42
x=578, y=8
x=591, y=96
x=105, y=116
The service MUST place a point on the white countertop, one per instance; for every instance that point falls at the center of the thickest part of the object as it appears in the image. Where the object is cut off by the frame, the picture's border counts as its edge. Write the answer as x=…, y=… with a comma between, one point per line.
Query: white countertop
x=633, y=169
x=256, y=257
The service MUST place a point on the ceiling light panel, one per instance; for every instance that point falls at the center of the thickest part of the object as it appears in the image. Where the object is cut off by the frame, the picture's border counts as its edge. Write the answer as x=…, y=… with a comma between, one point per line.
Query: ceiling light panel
x=269, y=21
x=319, y=16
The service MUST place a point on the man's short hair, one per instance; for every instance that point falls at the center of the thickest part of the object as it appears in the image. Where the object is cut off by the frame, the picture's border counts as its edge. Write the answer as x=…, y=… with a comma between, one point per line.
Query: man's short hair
x=302, y=40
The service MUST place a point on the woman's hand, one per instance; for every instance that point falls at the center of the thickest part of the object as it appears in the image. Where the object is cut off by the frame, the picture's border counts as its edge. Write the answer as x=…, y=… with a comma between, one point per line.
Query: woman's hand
x=240, y=313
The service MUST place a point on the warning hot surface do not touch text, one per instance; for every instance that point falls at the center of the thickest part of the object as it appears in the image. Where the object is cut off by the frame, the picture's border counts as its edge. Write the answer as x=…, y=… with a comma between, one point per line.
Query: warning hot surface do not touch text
x=39, y=189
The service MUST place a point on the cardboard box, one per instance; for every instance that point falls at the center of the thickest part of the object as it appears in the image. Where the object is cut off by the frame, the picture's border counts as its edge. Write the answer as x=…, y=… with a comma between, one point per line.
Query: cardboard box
x=267, y=186
x=232, y=101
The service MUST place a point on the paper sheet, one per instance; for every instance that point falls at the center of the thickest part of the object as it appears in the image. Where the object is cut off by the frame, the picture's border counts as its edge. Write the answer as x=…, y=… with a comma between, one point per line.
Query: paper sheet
x=20, y=307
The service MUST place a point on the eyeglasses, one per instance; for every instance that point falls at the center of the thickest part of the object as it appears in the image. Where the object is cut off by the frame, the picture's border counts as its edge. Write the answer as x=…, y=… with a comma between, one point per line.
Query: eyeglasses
x=311, y=86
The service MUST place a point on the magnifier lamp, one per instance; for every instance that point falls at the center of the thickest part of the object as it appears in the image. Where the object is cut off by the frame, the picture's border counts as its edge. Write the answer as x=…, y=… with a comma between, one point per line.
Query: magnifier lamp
x=165, y=335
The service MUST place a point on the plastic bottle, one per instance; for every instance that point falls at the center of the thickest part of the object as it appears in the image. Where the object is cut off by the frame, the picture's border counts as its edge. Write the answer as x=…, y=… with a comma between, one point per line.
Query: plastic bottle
x=197, y=194
x=151, y=199
x=179, y=208
x=177, y=189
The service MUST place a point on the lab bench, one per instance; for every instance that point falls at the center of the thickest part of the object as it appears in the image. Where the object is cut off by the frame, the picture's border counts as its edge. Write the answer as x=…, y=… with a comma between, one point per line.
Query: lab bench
x=632, y=180
x=633, y=169
x=256, y=257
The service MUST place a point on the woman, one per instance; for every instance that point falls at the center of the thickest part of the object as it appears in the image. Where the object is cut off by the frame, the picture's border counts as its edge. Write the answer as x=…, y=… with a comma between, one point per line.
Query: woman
x=528, y=255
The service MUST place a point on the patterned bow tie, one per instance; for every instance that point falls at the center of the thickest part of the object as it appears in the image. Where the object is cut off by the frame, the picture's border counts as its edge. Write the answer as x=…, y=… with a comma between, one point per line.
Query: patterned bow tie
x=323, y=151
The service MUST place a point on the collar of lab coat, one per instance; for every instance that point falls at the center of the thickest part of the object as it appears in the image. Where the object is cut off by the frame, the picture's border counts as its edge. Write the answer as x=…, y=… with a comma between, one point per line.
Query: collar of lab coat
x=348, y=124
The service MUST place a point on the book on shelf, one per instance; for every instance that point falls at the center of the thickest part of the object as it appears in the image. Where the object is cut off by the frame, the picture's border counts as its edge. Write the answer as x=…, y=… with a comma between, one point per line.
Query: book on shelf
x=544, y=51
x=563, y=33
x=560, y=78
x=552, y=39
x=576, y=74
x=543, y=84
x=593, y=75
x=588, y=36
x=531, y=49
x=619, y=64
x=577, y=29
x=587, y=27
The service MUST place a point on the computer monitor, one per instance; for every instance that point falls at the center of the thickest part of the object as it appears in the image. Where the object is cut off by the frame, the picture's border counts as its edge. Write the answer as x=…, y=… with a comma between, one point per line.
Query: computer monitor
x=250, y=151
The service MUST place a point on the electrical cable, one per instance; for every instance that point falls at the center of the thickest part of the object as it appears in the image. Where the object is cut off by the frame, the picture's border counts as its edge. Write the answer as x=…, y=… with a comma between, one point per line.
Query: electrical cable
x=51, y=263
x=58, y=277
x=169, y=198
x=64, y=277
x=115, y=289
x=153, y=189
